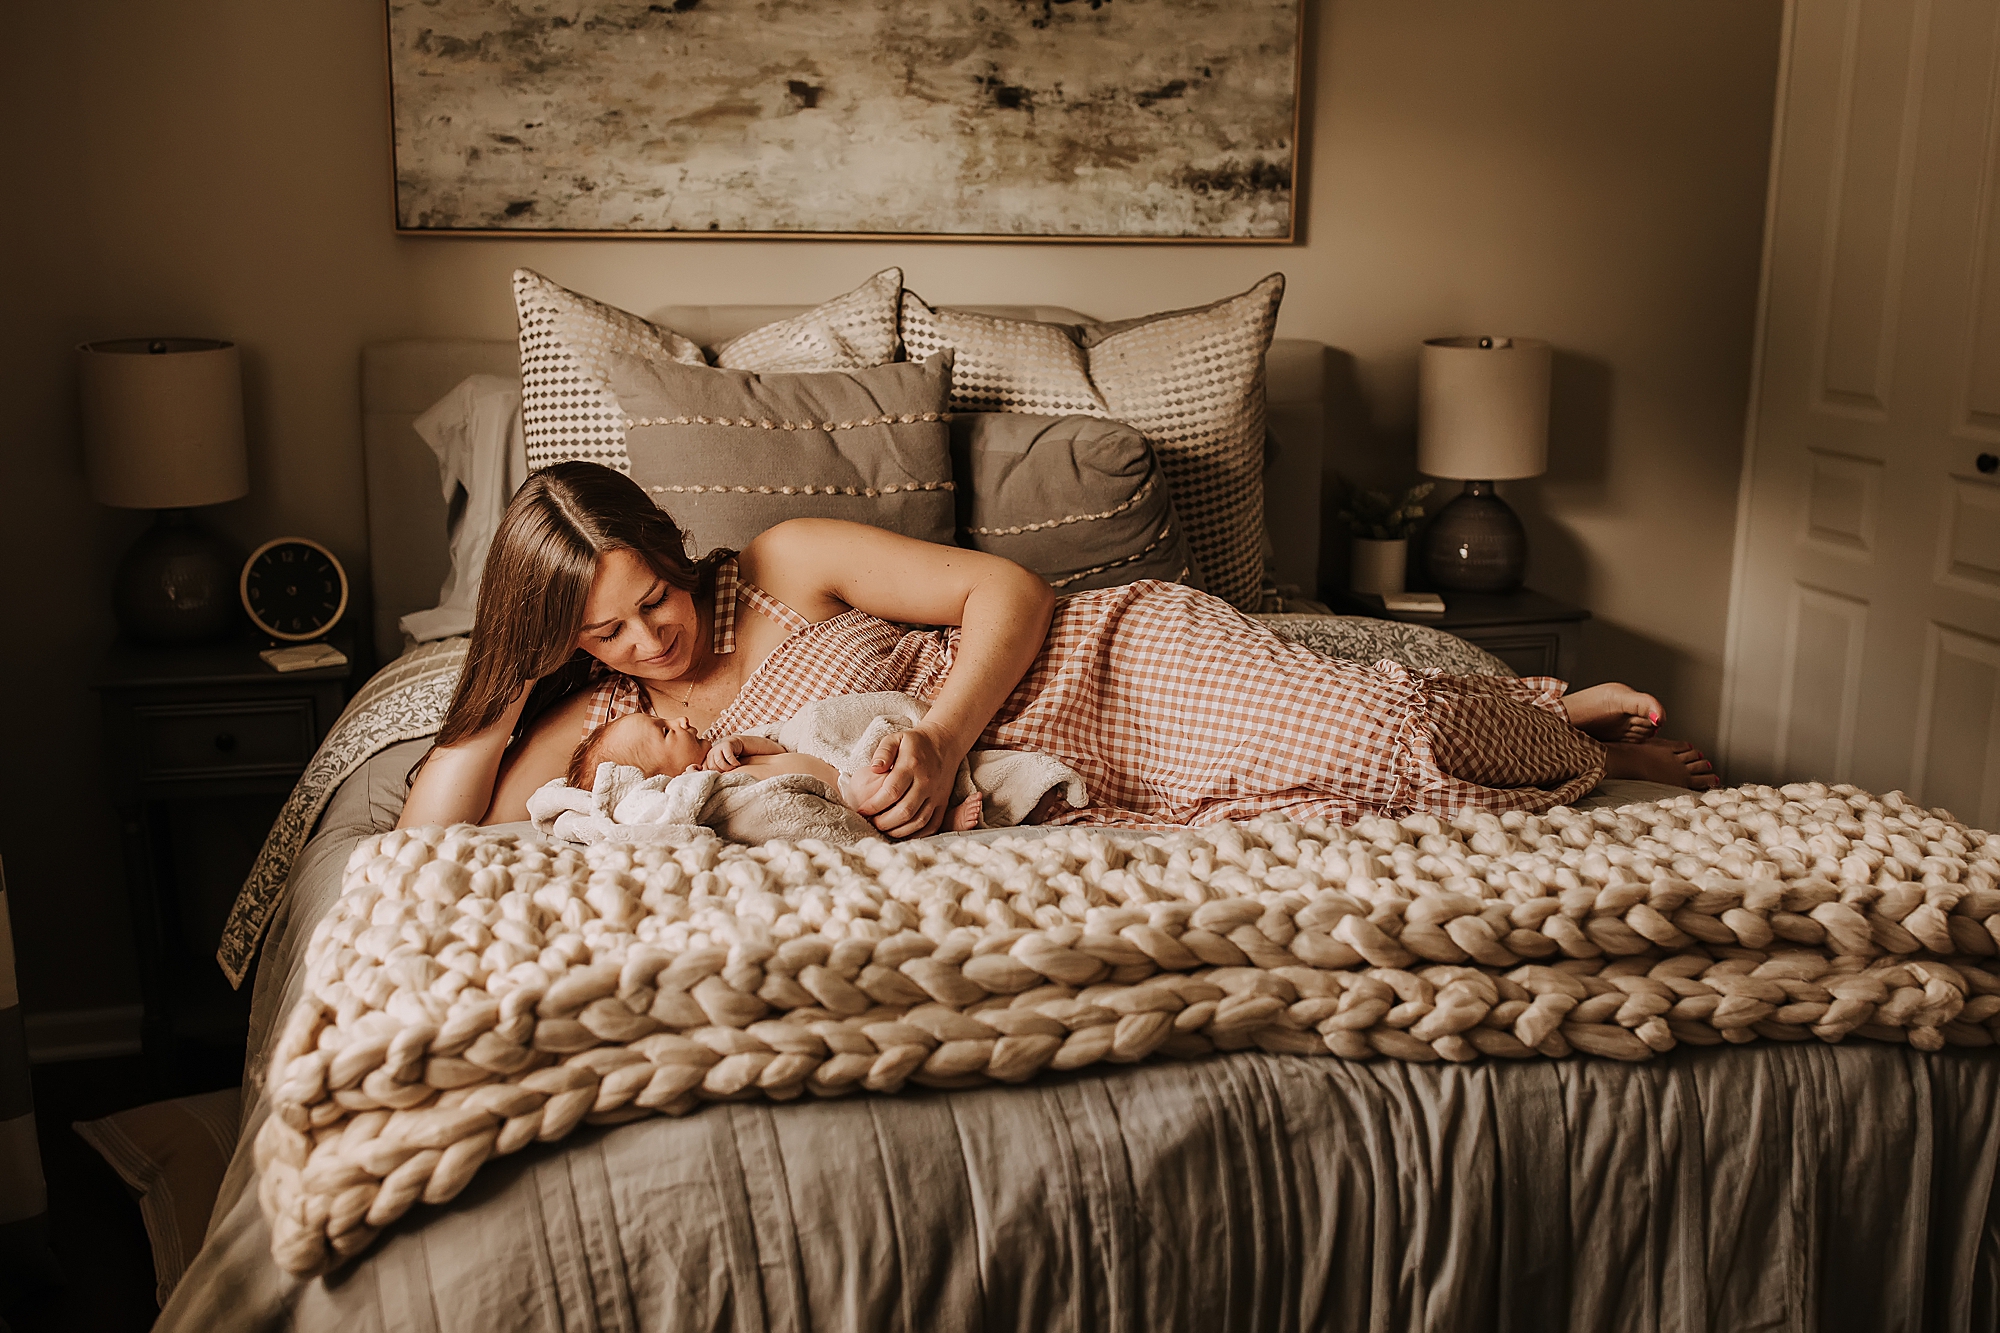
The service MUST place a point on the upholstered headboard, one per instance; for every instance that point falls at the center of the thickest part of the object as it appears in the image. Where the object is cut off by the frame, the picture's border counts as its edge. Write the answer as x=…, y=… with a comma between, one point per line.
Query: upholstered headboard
x=407, y=555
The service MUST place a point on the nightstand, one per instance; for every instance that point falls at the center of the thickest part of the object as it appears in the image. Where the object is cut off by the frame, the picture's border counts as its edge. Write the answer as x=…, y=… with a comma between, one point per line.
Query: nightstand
x=206, y=743
x=1533, y=633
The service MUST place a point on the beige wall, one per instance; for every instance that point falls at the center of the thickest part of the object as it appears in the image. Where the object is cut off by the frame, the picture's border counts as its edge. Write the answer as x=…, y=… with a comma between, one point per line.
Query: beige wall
x=1583, y=172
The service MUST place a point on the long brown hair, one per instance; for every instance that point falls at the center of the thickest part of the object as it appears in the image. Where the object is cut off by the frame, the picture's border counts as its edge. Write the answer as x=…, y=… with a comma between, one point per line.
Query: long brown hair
x=537, y=579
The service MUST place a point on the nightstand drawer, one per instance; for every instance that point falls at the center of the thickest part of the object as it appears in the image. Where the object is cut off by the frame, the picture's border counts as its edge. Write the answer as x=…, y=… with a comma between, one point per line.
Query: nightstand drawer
x=1527, y=652
x=185, y=740
x=1535, y=635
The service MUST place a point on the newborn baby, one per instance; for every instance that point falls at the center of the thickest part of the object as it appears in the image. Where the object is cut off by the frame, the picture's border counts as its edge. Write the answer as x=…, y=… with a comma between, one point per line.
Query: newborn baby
x=835, y=740
x=671, y=746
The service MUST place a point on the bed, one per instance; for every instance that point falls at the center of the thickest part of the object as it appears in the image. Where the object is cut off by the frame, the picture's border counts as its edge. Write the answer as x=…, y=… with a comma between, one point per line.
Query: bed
x=1763, y=1185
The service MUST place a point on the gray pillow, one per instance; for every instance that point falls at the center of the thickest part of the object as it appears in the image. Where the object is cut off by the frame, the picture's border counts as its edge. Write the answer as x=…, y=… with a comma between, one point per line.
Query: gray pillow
x=729, y=453
x=1079, y=500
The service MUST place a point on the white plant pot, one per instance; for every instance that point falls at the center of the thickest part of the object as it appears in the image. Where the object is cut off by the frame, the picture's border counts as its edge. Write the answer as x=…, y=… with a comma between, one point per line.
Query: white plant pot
x=1378, y=566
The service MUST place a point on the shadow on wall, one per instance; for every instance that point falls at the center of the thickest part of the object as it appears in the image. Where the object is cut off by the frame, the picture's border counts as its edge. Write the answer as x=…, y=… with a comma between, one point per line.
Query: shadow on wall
x=1579, y=444
x=1359, y=452
x=1375, y=457
x=1579, y=420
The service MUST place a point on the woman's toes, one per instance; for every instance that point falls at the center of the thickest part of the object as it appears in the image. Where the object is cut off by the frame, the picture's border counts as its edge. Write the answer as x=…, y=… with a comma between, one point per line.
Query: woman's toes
x=1701, y=773
x=1613, y=712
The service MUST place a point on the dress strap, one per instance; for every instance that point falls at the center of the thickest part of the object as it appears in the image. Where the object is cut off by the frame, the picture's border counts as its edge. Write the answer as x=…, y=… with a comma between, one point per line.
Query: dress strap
x=730, y=592
x=728, y=587
x=774, y=610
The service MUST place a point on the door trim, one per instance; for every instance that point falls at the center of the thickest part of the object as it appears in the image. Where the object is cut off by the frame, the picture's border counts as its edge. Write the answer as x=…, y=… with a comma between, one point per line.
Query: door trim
x=1732, y=642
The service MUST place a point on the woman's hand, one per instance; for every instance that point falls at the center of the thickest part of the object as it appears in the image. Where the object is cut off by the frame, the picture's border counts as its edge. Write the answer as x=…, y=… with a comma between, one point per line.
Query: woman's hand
x=912, y=779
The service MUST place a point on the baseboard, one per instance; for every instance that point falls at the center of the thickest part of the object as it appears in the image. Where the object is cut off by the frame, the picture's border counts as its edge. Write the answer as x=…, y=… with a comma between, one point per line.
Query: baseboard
x=84, y=1034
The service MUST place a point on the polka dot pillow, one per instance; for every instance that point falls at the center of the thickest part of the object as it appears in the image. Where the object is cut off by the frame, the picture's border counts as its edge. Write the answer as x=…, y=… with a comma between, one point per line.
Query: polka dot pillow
x=1190, y=381
x=567, y=408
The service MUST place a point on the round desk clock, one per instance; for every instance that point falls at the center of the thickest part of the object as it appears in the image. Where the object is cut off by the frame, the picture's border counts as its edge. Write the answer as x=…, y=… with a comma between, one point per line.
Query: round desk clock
x=293, y=589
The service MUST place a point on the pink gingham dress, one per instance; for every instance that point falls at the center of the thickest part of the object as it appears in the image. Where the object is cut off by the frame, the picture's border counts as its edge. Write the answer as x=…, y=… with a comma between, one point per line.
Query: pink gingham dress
x=1177, y=709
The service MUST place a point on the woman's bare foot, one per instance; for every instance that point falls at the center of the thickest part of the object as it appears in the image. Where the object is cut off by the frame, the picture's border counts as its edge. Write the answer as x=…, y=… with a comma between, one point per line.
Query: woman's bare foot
x=1613, y=712
x=1674, y=763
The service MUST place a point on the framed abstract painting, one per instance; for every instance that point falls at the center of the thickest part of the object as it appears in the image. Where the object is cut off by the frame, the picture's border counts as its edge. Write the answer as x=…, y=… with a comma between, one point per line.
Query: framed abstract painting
x=1133, y=120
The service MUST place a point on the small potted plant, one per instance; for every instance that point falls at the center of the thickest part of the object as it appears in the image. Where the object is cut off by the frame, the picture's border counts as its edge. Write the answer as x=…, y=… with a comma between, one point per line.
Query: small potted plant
x=1381, y=529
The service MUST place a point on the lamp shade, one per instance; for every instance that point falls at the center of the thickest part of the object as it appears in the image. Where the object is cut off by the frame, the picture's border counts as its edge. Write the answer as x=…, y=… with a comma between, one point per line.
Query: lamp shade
x=1483, y=408
x=163, y=422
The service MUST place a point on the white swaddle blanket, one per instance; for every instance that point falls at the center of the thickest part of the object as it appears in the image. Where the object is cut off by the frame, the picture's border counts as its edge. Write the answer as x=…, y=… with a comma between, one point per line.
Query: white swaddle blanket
x=624, y=805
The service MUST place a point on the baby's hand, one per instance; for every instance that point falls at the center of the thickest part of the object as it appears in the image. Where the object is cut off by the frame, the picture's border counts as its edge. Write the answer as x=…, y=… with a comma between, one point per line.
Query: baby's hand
x=724, y=755
x=862, y=787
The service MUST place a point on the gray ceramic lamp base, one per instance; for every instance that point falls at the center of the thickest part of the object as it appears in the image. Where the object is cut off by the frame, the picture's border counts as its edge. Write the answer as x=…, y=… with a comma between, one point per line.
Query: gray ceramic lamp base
x=1476, y=544
x=177, y=584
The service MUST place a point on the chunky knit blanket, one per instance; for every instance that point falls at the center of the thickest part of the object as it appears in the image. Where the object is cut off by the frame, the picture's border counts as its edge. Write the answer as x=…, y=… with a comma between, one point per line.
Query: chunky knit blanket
x=473, y=993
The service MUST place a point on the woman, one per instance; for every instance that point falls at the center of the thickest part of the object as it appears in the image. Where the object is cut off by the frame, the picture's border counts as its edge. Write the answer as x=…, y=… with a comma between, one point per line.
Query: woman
x=1173, y=707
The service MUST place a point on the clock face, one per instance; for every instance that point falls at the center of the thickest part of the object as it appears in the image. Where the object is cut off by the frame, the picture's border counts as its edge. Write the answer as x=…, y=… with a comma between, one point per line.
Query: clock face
x=294, y=589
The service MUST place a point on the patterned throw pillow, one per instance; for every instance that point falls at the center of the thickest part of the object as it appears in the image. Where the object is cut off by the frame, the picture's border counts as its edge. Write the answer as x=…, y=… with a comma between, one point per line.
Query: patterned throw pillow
x=729, y=453
x=1079, y=500
x=1004, y=365
x=567, y=407
x=1190, y=381
x=1368, y=640
x=849, y=332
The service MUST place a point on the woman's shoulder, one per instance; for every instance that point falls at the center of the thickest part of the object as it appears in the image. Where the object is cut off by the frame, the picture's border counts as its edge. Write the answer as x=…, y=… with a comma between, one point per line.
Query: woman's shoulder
x=792, y=562
x=795, y=538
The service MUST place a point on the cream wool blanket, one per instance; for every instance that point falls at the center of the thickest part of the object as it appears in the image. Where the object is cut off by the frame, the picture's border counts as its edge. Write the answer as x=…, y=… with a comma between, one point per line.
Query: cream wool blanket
x=472, y=994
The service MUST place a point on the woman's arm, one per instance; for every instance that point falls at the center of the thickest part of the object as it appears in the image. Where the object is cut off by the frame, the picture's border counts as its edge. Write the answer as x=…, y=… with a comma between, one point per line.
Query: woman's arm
x=821, y=567
x=455, y=785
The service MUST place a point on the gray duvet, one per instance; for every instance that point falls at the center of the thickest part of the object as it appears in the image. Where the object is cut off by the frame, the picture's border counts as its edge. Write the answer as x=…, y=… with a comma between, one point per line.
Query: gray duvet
x=1755, y=1187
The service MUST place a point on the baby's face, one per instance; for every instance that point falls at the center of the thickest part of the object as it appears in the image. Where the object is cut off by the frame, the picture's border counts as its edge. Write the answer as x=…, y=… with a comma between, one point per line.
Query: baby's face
x=653, y=744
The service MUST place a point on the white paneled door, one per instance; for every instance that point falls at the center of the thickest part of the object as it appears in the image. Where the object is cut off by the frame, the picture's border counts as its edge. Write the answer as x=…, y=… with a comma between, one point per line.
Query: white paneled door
x=1864, y=641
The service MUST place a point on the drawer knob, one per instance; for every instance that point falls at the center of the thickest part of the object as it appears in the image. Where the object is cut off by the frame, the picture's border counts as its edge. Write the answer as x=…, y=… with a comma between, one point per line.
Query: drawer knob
x=225, y=741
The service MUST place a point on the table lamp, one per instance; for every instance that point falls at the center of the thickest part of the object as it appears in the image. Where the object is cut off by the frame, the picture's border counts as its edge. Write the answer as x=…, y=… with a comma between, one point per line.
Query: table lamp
x=1482, y=417
x=163, y=430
